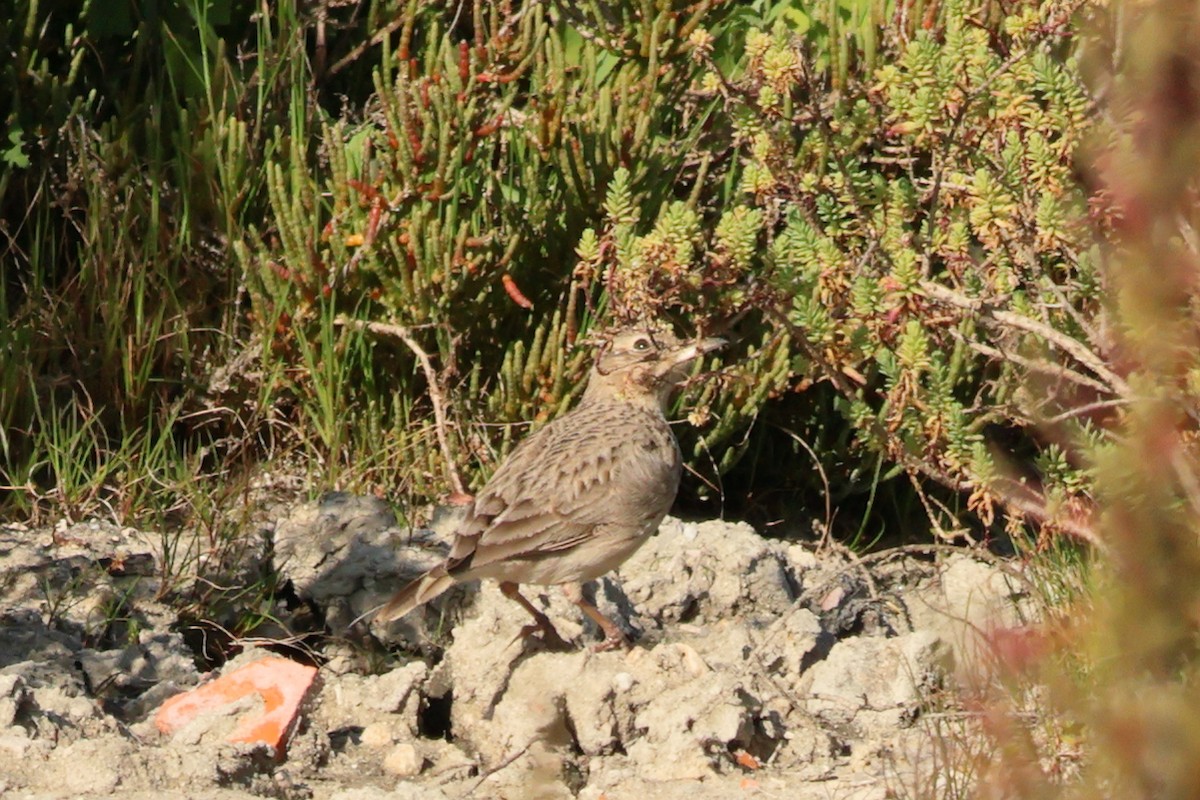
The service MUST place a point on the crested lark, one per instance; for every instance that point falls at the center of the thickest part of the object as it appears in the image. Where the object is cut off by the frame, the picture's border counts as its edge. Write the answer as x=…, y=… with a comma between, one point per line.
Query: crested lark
x=578, y=497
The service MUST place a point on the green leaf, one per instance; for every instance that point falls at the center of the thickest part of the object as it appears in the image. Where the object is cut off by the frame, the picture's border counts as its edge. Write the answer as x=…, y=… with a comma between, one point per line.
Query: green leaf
x=15, y=155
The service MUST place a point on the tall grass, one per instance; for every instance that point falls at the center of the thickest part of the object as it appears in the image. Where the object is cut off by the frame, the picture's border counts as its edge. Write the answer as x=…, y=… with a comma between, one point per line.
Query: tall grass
x=194, y=196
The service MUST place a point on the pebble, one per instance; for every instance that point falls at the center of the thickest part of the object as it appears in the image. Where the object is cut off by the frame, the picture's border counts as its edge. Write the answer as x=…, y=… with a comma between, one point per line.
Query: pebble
x=377, y=734
x=403, y=761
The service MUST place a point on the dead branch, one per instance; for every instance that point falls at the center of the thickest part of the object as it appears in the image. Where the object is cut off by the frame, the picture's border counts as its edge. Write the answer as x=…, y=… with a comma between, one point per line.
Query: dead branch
x=436, y=396
x=1033, y=365
x=1069, y=345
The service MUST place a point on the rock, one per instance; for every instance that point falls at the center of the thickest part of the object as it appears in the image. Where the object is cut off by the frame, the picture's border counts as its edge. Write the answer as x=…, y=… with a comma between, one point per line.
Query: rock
x=403, y=761
x=790, y=640
x=101, y=775
x=761, y=668
x=666, y=707
x=393, y=699
x=701, y=572
x=81, y=574
x=14, y=698
x=377, y=735
x=329, y=547
x=26, y=640
x=967, y=600
x=692, y=718
x=346, y=554
x=393, y=691
x=159, y=663
x=50, y=698
x=16, y=743
x=867, y=684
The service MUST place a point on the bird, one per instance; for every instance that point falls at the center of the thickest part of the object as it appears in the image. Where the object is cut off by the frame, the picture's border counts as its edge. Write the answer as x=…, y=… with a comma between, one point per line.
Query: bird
x=577, y=497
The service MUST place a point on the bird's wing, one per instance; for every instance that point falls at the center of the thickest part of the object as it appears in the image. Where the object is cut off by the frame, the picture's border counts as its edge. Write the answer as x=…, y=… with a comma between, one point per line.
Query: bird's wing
x=548, y=496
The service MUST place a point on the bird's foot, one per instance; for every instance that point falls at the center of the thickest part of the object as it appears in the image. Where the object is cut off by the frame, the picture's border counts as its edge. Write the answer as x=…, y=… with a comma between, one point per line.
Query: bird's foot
x=612, y=642
x=614, y=637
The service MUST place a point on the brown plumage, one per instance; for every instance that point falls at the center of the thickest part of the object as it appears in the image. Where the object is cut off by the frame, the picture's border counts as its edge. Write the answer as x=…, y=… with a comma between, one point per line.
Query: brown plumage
x=578, y=497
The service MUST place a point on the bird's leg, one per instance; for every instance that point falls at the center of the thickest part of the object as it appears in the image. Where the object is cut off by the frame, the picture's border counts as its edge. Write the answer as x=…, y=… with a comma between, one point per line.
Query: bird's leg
x=614, y=637
x=540, y=621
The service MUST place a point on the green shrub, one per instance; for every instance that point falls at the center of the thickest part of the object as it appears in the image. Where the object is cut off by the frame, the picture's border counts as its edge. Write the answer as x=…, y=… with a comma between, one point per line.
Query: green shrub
x=878, y=203
x=912, y=239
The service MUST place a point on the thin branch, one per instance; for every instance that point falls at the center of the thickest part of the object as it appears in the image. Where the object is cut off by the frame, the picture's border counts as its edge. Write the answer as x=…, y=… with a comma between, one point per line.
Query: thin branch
x=1042, y=367
x=1069, y=345
x=506, y=762
x=436, y=396
x=820, y=471
x=928, y=504
x=378, y=37
x=1187, y=477
x=1024, y=500
x=1032, y=503
x=1087, y=408
x=1188, y=234
x=855, y=561
x=1093, y=335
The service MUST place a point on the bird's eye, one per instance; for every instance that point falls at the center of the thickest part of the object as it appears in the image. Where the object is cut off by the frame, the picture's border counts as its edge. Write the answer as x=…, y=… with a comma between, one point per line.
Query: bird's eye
x=641, y=345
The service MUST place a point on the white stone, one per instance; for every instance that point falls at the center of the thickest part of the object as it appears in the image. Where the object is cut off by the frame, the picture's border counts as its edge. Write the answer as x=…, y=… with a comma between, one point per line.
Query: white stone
x=403, y=761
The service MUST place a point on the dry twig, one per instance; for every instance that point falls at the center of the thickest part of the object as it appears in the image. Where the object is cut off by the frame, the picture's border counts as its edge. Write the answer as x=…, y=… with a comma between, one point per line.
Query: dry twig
x=436, y=396
x=1072, y=347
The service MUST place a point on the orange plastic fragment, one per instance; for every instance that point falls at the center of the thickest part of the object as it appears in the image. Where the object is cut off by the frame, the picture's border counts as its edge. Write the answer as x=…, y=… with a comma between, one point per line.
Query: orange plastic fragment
x=281, y=683
x=746, y=760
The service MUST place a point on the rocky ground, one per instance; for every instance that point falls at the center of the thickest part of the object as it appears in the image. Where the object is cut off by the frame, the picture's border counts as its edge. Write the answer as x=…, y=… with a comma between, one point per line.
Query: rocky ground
x=760, y=669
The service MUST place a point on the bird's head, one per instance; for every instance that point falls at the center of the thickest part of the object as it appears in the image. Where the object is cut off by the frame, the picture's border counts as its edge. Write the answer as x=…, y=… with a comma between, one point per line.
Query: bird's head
x=643, y=364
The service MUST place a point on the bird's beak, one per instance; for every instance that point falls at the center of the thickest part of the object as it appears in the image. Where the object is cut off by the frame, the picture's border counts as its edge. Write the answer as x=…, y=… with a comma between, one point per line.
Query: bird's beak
x=689, y=352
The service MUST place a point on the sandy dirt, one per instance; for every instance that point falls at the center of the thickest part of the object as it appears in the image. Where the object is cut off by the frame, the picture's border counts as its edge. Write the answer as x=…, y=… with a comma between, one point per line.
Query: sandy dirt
x=760, y=669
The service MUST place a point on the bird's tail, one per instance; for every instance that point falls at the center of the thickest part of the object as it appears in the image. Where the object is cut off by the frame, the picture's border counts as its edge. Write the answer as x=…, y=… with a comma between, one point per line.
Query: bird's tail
x=420, y=591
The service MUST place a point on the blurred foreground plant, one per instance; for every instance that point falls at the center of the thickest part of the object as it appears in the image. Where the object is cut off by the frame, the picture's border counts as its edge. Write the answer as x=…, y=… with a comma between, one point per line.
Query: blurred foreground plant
x=1132, y=680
